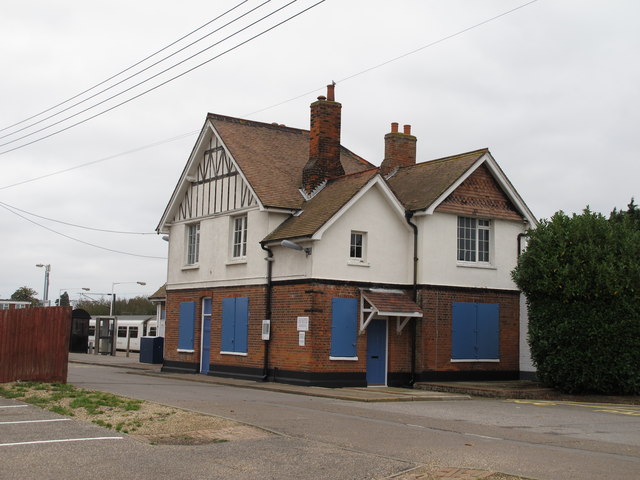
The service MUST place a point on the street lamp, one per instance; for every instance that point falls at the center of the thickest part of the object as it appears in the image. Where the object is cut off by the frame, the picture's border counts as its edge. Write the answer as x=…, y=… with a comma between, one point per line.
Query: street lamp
x=86, y=289
x=45, y=295
x=113, y=297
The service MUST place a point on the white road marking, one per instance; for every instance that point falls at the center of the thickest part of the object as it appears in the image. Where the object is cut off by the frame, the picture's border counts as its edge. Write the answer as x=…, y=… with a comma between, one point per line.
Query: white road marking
x=60, y=441
x=13, y=406
x=36, y=421
x=482, y=436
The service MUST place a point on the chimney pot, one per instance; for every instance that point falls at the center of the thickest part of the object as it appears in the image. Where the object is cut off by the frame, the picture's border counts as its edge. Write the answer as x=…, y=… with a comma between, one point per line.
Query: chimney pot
x=399, y=150
x=331, y=93
x=322, y=98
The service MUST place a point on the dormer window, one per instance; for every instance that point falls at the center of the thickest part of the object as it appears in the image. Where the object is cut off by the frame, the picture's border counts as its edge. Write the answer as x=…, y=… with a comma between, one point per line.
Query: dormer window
x=473, y=240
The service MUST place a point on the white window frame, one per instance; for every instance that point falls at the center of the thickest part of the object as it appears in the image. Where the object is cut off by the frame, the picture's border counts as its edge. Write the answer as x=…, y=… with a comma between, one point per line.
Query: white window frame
x=193, y=244
x=476, y=234
x=239, y=228
x=355, y=259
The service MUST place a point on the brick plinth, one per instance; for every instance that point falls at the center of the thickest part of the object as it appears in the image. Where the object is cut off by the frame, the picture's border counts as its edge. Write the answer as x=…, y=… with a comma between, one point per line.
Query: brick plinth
x=310, y=364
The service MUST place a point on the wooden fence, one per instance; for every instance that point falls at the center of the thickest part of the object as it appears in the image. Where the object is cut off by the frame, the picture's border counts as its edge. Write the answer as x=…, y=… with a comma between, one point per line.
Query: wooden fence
x=34, y=344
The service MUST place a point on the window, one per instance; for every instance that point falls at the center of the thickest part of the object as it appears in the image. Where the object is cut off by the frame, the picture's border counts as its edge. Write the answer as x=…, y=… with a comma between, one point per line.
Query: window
x=133, y=332
x=193, y=243
x=344, y=323
x=235, y=323
x=240, y=237
x=4, y=306
x=475, y=332
x=357, y=246
x=122, y=332
x=152, y=332
x=92, y=330
x=473, y=240
x=186, y=326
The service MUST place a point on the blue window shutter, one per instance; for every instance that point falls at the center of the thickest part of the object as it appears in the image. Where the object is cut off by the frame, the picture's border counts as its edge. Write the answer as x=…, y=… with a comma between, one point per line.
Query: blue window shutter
x=463, y=331
x=228, y=324
x=241, y=324
x=344, y=321
x=488, y=321
x=186, y=327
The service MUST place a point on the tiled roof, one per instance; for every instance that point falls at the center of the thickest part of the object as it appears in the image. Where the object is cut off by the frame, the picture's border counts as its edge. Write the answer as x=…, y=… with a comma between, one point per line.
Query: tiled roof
x=272, y=158
x=159, y=294
x=317, y=211
x=418, y=186
x=388, y=302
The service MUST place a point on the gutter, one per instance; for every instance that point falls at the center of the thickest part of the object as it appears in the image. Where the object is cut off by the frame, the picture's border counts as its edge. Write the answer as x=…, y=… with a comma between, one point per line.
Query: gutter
x=268, y=296
x=408, y=215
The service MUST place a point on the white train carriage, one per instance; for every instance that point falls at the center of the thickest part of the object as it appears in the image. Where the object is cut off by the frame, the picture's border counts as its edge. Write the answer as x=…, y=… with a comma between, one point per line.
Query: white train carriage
x=130, y=330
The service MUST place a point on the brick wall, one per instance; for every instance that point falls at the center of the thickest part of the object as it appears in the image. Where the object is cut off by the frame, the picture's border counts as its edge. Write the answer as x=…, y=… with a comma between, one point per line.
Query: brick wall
x=434, y=340
x=310, y=364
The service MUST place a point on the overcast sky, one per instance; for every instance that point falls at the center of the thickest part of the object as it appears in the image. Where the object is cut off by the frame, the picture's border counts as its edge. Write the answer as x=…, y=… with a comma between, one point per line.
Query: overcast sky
x=552, y=89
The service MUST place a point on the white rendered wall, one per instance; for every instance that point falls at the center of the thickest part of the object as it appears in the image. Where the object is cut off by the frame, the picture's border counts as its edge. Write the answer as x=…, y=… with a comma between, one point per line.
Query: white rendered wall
x=216, y=267
x=389, y=244
x=437, y=251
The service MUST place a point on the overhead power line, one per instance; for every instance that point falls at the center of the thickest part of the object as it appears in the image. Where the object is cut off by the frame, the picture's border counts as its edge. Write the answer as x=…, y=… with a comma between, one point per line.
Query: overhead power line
x=399, y=57
x=77, y=239
x=347, y=78
x=125, y=70
x=170, y=79
x=120, y=82
x=104, y=159
x=74, y=224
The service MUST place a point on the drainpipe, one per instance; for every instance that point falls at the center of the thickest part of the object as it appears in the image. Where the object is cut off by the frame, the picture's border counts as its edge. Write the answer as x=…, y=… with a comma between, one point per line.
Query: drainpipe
x=269, y=259
x=409, y=215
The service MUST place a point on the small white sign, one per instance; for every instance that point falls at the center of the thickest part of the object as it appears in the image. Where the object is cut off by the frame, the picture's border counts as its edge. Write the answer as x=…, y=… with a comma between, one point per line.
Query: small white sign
x=301, y=338
x=303, y=324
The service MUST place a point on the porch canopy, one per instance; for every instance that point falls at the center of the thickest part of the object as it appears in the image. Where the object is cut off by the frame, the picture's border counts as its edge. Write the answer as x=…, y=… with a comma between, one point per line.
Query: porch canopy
x=378, y=302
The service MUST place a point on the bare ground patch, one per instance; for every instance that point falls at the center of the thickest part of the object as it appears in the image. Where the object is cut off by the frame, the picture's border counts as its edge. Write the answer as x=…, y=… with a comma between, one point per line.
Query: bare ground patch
x=145, y=421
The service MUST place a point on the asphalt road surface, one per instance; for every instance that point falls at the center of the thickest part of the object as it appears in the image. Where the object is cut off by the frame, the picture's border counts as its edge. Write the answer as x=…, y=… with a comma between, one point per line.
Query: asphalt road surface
x=323, y=438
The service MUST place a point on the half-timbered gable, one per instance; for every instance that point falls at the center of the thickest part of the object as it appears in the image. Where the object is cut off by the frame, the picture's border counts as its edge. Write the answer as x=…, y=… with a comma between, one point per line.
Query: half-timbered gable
x=215, y=186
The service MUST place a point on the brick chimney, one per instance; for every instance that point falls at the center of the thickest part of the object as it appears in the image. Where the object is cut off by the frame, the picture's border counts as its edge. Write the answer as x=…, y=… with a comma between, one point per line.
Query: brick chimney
x=324, y=142
x=399, y=149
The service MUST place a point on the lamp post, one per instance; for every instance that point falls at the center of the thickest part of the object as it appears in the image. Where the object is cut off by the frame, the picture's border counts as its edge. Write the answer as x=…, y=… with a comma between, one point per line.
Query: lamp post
x=45, y=295
x=113, y=297
x=86, y=289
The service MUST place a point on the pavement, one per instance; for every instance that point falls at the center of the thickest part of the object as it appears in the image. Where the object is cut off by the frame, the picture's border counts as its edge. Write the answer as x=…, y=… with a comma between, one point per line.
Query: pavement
x=440, y=391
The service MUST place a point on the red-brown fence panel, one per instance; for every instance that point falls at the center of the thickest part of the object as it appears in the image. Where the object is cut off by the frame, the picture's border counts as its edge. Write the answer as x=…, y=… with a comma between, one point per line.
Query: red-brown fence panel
x=34, y=344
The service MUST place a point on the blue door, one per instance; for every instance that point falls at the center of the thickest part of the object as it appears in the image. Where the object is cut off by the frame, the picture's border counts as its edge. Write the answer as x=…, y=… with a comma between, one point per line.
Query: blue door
x=377, y=352
x=205, y=352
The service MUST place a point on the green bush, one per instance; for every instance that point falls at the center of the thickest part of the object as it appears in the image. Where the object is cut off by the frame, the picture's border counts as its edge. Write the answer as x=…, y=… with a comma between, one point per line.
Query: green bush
x=581, y=277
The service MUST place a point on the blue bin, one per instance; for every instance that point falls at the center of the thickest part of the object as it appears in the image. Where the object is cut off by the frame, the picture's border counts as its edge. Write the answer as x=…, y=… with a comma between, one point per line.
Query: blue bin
x=151, y=349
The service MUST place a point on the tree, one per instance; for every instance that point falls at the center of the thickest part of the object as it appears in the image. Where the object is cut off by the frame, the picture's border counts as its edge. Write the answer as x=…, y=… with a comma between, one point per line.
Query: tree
x=131, y=306
x=63, y=301
x=26, y=294
x=633, y=214
x=581, y=277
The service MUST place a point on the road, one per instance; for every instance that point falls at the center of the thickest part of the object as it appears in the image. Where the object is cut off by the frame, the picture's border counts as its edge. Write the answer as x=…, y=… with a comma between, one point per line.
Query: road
x=323, y=438
x=542, y=440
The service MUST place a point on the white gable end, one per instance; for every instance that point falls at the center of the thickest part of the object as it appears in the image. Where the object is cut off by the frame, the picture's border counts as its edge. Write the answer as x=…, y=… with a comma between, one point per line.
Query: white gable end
x=211, y=184
x=215, y=185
